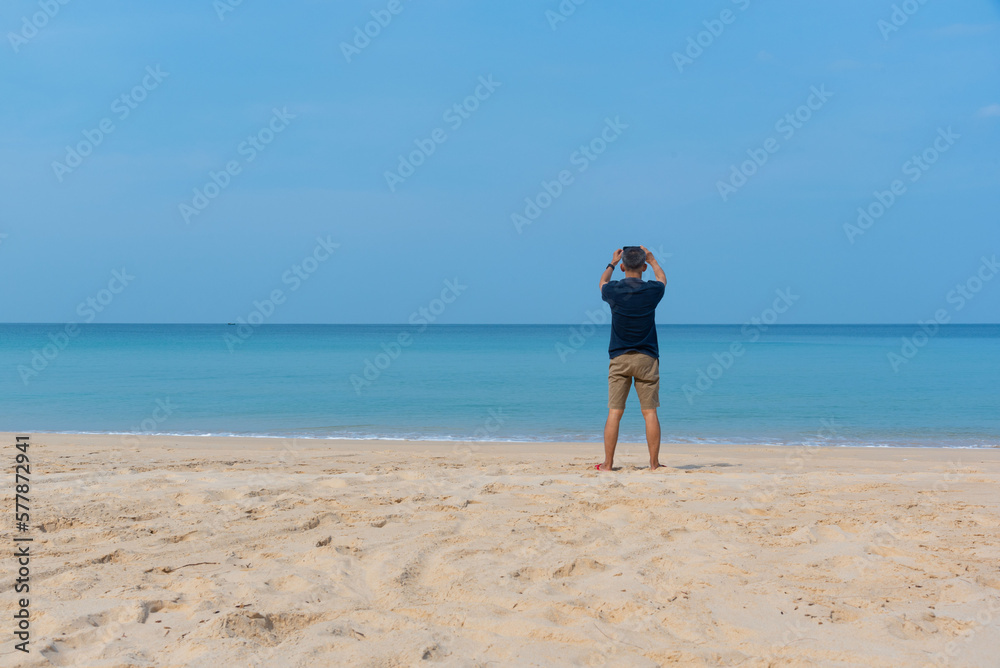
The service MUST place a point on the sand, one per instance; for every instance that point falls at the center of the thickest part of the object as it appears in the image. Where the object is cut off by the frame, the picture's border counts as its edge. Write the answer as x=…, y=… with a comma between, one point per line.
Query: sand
x=170, y=551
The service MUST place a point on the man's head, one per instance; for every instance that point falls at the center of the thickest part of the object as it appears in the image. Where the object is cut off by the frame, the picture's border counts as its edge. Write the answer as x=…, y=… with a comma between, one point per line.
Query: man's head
x=634, y=259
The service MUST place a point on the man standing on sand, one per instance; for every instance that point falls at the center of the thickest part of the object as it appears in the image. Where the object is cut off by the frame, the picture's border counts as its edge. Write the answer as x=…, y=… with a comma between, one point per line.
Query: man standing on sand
x=633, y=349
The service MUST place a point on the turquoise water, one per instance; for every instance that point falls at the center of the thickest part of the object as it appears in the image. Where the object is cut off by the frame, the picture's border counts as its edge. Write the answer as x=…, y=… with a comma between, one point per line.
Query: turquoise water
x=792, y=385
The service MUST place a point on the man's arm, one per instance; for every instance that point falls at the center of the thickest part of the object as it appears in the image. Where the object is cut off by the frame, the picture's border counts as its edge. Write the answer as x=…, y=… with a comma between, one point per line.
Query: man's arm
x=606, y=276
x=657, y=270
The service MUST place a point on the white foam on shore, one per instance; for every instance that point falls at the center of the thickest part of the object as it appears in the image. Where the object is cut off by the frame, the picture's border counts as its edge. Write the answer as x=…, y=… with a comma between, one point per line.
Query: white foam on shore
x=564, y=438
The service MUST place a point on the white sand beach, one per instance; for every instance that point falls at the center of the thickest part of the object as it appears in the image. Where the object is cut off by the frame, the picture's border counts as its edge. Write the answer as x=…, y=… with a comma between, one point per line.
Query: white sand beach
x=189, y=551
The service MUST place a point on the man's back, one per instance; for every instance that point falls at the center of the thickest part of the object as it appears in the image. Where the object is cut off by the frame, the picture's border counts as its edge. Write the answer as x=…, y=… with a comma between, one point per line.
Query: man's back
x=633, y=307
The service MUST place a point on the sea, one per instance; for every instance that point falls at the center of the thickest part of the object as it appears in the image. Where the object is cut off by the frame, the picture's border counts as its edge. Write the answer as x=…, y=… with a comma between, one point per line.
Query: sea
x=843, y=385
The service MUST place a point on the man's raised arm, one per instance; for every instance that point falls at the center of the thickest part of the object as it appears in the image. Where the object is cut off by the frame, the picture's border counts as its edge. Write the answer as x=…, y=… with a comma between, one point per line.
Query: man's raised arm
x=657, y=270
x=610, y=269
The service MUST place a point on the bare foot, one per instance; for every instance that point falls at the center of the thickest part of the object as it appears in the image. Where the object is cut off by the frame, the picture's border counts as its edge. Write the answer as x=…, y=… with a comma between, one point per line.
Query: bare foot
x=657, y=465
x=603, y=467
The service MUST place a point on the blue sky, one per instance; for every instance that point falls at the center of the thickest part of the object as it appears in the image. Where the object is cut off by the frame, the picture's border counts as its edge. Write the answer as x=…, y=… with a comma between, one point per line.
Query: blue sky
x=343, y=121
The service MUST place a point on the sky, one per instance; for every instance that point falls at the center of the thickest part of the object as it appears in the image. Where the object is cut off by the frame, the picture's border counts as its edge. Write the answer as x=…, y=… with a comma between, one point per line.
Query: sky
x=198, y=161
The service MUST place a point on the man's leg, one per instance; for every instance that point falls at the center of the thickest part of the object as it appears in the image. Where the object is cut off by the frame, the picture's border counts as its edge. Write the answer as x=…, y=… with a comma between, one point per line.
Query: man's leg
x=647, y=386
x=611, y=436
x=652, y=436
x=619, y=383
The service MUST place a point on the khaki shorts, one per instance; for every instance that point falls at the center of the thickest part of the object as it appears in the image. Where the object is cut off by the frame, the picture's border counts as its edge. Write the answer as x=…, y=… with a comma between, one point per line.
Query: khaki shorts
x=646, y=372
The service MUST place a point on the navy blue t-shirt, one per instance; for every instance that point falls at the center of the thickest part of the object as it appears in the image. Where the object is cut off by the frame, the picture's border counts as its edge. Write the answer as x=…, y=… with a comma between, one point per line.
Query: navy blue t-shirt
x=633, y=306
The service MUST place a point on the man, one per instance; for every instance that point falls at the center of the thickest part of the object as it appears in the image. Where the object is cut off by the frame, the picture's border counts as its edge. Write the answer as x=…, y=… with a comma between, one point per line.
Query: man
x=633, y=349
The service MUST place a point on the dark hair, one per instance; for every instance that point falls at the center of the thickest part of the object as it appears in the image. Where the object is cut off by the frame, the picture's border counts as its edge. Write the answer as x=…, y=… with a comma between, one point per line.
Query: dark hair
x=634, y=257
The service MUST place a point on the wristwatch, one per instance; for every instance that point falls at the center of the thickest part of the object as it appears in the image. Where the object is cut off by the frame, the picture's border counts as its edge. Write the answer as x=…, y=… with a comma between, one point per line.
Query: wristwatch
x=611, y=264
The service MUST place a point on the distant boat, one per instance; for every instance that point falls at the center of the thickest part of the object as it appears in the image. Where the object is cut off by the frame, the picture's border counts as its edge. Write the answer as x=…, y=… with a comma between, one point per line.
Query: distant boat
x=230, y=323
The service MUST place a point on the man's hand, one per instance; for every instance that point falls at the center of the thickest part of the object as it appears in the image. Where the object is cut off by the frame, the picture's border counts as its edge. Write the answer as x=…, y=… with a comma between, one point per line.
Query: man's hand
x=651, y=261
x=606, y=274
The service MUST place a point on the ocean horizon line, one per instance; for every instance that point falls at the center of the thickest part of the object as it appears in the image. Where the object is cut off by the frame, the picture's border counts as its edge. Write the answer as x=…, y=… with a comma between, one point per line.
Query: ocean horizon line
x=499, y=324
